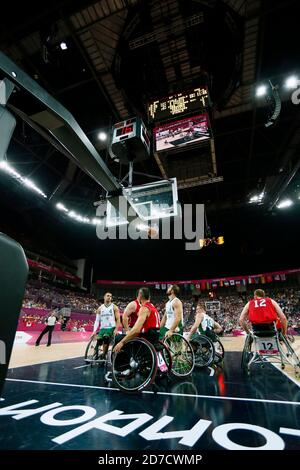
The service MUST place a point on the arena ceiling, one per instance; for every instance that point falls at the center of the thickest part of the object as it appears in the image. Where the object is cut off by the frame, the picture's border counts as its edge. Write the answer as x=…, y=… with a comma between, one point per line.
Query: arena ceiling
x=120, y=54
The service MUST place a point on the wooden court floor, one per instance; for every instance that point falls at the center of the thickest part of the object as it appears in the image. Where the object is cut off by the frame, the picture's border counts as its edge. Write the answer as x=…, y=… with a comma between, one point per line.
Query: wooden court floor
x=25, y=355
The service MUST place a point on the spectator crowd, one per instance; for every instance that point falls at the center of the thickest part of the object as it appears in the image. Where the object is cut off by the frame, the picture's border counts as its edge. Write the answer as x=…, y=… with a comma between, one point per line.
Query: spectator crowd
x=42, y=297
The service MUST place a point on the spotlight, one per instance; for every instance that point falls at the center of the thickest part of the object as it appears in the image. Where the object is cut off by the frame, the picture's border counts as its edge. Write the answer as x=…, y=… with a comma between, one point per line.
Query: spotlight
x=261, y=90
x=21, y=179
x=256, y=198
x=219, y=240
x=292, y=82
x=207, y=241
x=61, y=207
x=284, y=204
x=63, y=46
x=201, y=243
x=96, y=221
x=102, y=136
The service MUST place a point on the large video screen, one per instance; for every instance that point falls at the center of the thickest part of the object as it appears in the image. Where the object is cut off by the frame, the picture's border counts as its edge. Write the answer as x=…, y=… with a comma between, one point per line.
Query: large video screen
x=182, y=133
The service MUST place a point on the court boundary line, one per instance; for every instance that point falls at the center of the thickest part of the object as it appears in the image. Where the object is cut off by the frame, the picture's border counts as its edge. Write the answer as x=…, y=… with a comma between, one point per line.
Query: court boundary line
x=278, y=367
x=217, y=397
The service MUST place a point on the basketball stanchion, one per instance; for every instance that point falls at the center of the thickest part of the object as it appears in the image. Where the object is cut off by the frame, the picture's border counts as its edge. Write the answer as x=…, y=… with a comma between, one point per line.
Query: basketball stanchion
x=13, y=278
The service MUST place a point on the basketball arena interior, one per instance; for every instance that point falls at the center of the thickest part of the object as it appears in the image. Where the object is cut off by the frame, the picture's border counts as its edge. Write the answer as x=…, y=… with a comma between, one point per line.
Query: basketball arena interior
x=149, y=229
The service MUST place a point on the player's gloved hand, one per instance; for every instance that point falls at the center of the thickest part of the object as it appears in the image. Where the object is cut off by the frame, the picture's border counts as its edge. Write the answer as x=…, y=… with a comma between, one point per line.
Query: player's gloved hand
x=168, y=334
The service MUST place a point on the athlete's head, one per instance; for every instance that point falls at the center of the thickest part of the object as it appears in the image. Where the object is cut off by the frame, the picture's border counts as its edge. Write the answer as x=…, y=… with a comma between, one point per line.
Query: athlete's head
x=173, y=291
x=107, y=298
x=143, y=294
x=258, y=293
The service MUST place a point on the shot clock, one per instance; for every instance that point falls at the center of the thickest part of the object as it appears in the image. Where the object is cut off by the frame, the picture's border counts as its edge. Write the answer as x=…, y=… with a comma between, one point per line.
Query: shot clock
x=130, y=141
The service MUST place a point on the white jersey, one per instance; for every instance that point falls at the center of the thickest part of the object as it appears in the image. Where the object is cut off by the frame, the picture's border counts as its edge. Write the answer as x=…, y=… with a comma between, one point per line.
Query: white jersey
x=171, y=314
x=207, y=322
x=106, y=317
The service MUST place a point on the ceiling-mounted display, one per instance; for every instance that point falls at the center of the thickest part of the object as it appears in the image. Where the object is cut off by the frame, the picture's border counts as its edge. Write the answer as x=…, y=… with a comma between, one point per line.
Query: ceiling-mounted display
x=181, y=133
x=179, y=104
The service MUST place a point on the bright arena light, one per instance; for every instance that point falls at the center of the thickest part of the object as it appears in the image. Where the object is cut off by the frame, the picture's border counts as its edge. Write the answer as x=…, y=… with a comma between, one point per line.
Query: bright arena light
x=25, y=181
x=63, y=46
x=8, y=169
x=292, y=82
x=102, y=136
x=61, y=207
x=261, y=90
x=284, y=204
x=78, y=217
x=96, y=221
x=256, y=198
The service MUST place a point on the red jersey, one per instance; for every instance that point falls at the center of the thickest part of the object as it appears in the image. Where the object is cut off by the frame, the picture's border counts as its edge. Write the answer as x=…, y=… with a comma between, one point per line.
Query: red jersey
x=133, y=316
x=153, y=320
x=262, y=311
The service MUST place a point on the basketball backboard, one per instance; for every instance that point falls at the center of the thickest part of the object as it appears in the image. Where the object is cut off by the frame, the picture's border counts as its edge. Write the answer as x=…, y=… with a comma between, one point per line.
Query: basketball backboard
x=213, y=306
x=155, y=200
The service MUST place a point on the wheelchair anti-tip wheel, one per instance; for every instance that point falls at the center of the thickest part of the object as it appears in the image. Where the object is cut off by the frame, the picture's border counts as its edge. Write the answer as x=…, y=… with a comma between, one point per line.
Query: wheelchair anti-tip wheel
x=135, y=366
x=183, y=360
x=247, y=354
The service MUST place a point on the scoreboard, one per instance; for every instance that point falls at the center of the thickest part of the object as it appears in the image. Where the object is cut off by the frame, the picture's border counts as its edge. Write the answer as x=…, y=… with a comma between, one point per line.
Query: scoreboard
x=179, y=104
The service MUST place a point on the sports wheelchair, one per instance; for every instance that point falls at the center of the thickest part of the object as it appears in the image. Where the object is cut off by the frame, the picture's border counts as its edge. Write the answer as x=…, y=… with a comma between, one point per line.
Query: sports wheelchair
x=208, y=350
x=140, y=363
x=94, y=351
x=266, y=342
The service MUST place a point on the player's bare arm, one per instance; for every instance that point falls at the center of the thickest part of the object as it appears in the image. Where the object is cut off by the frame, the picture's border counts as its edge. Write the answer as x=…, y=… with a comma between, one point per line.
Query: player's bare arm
x=97, y=321
x=163, y=320
x=198, y=320
x=281, y=316
x=130, y=308
x=143, y=314
x=118, y=320
x=243, y=321
x=177, y=306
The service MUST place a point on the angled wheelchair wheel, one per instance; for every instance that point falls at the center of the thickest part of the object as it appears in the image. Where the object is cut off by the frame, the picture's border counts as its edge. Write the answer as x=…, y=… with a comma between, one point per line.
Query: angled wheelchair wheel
x=92, y=351
x=247, y=355
x=204, y=351
x=288, y=350
x=219, y=352
x=182, y=354
x=291, y=338
x=135, y=366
